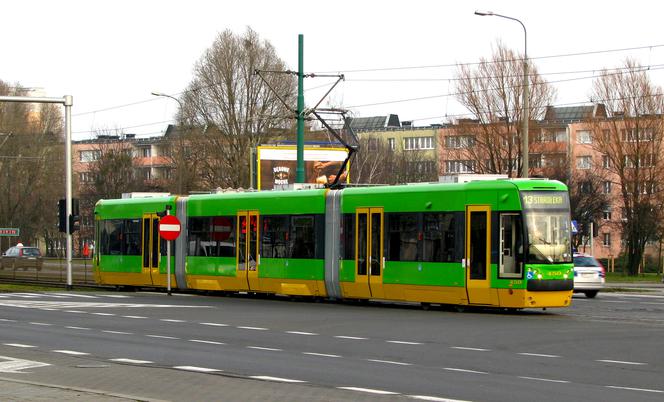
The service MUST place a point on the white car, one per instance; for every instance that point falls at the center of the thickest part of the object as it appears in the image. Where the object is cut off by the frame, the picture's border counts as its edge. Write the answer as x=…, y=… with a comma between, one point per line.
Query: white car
x=589, y=275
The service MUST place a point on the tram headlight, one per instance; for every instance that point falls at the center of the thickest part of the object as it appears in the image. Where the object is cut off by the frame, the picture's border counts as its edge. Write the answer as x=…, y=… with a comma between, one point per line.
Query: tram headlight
x=539, y=276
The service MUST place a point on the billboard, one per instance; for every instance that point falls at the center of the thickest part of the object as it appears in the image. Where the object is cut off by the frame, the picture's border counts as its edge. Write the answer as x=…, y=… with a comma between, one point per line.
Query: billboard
x=277, y=165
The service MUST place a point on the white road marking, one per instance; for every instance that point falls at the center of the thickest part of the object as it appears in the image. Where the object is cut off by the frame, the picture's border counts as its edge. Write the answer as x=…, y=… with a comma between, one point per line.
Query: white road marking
x=658, y=391
x=544, y=379
x=13, y=365
x=262, y=348
x=319, y=354
x=81, y=328
x=253, y=328
x=389, y=362
x=537, y=354
x=214, y=324
x=466, y=348
x=208, y=342
x=76, y=311
x=622, y=362
x=434, y=398
x=76, y=304
x=171, y=320
x=71, y=352
x=199, y=369
x=464, y=370
x=350, y=337
x=118, y=332
x=132, y=361
x=6, y=320
x=278, y=379
x=301, y=333
x=369, y=390
x=134, y=316
x=104, y=314
x=404, y=342
x=76, y=295
x=48, y=309
x=116, y=296
x=161, y=337
x=19, y=345
x=41, y=323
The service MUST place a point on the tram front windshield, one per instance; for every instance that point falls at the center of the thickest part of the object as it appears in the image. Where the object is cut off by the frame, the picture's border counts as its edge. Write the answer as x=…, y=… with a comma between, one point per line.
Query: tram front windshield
x=548, y=225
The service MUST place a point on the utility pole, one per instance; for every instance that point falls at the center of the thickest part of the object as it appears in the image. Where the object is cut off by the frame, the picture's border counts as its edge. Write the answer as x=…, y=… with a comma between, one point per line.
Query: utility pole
x=299, y=178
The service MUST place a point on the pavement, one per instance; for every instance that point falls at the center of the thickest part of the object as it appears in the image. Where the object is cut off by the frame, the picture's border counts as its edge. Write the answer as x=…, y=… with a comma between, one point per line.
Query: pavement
x=13, y=389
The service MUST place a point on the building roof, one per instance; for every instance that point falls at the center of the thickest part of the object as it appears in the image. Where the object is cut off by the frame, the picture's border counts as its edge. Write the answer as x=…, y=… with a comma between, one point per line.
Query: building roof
x=574, y=113
x=374, y=123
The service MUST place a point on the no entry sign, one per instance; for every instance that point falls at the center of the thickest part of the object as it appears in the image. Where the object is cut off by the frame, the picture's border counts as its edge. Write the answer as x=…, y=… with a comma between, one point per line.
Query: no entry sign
x=169, y=227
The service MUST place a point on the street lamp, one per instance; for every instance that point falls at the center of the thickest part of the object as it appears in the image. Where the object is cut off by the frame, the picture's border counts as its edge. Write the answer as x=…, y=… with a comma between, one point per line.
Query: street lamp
x=526, y=111
x=167, y=96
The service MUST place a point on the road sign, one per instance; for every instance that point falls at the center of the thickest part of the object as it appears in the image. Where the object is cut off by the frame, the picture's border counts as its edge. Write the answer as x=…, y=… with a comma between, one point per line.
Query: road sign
x=7, y=232
x=575, y=227
x=169, y=227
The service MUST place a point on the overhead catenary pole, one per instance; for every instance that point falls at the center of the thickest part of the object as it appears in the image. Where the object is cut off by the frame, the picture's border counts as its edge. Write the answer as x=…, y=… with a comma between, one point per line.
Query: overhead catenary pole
x=68, y=102
x=299, y=177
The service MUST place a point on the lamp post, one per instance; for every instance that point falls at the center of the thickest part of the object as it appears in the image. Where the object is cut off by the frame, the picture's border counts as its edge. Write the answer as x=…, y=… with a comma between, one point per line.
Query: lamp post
x=167, y=96
x=526, y=111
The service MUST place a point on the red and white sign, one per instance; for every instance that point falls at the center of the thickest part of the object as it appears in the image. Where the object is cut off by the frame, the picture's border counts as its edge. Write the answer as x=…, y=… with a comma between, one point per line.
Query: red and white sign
x=169, y=227
x=221, y=228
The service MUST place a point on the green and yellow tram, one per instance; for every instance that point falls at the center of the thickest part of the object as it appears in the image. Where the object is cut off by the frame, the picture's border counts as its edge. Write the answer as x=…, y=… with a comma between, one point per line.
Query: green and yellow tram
x=500, y=243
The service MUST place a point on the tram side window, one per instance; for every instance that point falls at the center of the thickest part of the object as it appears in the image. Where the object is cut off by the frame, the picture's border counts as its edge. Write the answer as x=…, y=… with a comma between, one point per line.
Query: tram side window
x=438, y=237
x=211, y=236
x=275, y=236
x=303, y=236
x=132, y=237
x=348, y=237
x=111, y=237
x=403, y=237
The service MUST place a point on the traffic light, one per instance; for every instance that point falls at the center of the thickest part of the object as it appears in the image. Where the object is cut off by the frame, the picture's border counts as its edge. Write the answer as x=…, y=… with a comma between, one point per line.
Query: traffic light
x=75, y=217
x=62, y=216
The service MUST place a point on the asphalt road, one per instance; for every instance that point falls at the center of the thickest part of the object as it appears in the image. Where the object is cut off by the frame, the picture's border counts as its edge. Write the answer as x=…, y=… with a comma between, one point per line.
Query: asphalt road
x=192, y=347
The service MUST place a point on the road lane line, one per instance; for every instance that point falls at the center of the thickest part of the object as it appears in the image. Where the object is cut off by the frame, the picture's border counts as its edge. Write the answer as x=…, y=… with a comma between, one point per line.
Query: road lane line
x=472, y=349
x=70, y=352
x=434, y=398
x=41, y=323
x=404, y=342
x=77, y=295
x=132, y=361
x=76, y=311
x=199, y=369
x=544, y=379
x=140, y=317
x=162, y=337
x=658, y=391
x=171, y=320
x=81, y=328
x=389, y=362
x=350, y=337
x=263, y=348
x=214, y=324
x=6, y=320
x=464, y=370
x=208, y=342
x=319, y=354
x=116, y=296
x=278, y=379
x=301, y=333
x=253, y=328
x=118, y=332
x=104, y=314
x=622, y=362
x=19, y=345
x=369, y=390
x=536, y=354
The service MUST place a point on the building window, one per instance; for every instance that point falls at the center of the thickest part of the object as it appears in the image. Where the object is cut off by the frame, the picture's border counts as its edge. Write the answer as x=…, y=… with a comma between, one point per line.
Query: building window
x=606, y=239
x=89, y=156
x=87, y=177
x=535, y=160
x=607, y=214
x=583, y=137
x=146, y=152
x=607, y=187
x=460, y=166
x=584, y=162
x=373, y=144
x=606, y=161
x=411, y=143
x=391, y=143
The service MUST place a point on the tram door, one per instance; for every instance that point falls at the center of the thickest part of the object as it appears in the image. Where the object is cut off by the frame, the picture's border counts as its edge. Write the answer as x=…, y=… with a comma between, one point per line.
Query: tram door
x=150, y=248
x=248, y=258
x=478, y=254
x=369, y=252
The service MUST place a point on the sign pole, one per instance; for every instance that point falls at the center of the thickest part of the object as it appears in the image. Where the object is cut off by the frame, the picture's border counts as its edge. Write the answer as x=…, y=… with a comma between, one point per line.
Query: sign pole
x=169, y=230
x=168, y=261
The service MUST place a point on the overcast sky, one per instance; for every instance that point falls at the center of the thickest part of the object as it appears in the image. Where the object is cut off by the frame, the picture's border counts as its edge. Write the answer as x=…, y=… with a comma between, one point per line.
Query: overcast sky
x=113, y=53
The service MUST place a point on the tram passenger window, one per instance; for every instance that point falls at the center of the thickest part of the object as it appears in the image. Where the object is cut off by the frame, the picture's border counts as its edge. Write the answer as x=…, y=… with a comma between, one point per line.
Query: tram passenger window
x=211, y=236
x=403, y=237
x=132, y=237
x=274, y=237
x=438, y=237
x=348, y=240
x=111, y=237
x=303, y=237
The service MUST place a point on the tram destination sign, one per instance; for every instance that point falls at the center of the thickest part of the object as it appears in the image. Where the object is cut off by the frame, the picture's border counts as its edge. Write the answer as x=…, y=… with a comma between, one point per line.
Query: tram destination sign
x=545, y=199
x=10, y=232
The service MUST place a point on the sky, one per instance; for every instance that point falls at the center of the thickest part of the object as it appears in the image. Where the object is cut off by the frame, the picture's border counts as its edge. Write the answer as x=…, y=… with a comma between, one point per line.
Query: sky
x=397, y=56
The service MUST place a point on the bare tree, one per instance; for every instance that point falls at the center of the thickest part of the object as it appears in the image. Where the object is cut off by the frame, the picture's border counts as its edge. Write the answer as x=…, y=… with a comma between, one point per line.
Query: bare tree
x=31, y=165
x=186, y=155
x=240, y=110
x=376, y=163
x=633, y=141
x=492, y=93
